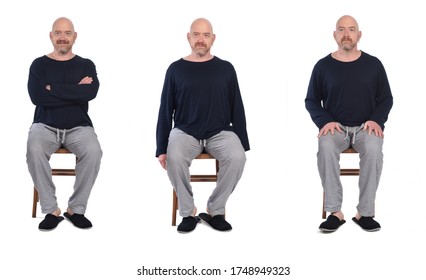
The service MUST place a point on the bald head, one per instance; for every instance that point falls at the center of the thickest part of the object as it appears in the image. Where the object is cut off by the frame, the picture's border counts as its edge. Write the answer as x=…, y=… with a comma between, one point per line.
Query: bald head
x=347, y=20
x=201, y=22
x=63, y=21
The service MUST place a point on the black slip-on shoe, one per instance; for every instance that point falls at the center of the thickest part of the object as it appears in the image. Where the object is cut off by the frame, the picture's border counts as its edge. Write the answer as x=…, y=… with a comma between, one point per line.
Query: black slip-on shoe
x=217, y=222
x=50, y=222
x=78, y=220
x=367, y=223
x=188, y=224
x=331, y=224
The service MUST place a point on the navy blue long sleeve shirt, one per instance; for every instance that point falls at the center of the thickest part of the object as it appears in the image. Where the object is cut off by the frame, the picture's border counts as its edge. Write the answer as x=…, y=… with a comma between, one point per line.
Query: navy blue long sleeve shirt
x=350, y=93
x=65, y=105
x=201, y=99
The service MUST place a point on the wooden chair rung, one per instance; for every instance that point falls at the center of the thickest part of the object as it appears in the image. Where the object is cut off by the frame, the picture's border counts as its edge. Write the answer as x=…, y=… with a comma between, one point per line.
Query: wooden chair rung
x=203, y=178
x=63, y=172
x=349, y=172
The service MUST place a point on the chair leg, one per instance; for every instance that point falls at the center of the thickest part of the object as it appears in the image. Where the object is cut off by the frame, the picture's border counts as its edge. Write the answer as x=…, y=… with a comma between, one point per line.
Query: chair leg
x=175, y=208
x=35, y=200
x=324, y=213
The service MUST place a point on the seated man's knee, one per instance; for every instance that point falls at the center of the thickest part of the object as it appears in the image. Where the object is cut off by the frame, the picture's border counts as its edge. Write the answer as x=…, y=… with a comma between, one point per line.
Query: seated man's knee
x=240, y=157
x=174, y=159
x=92, y=152
x=96, y=153
x=236, y=157
x=326, y=145
x=373, y=150
x=35, y=150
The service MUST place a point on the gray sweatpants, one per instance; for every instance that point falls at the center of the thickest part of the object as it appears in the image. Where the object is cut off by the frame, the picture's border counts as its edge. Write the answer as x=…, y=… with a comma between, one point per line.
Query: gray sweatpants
x=43, y=141
x=183, y=148
x=369, y=148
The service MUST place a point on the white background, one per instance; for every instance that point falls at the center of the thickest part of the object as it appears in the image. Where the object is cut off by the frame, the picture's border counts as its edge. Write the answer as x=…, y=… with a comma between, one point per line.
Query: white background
x=275, y=210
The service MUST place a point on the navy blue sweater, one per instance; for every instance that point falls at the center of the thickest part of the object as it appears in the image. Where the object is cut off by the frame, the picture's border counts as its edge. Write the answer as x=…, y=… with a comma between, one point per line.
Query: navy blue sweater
x=350, y=93
x=202, y=99
x=66, y=104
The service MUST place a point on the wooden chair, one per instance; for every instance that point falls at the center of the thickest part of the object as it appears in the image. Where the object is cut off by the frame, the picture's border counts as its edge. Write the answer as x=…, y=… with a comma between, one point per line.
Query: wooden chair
x=55, y=172
x=343, y=172
x=196, y=178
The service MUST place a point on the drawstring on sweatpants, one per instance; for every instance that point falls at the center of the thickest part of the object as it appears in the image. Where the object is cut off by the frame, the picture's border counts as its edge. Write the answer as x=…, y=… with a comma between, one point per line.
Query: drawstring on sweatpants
x=203, y=142
x=354, y=133
x=353, y=139
x=58, y=136
x=347, y=133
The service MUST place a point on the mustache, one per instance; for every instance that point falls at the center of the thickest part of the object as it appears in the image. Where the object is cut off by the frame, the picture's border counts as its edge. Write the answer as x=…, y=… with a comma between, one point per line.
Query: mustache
x=346, y=39
x=200, y=44
x=62, y=42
